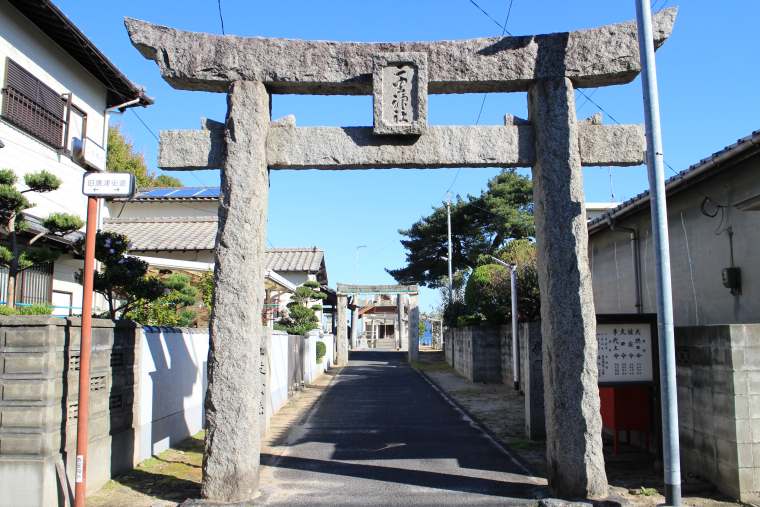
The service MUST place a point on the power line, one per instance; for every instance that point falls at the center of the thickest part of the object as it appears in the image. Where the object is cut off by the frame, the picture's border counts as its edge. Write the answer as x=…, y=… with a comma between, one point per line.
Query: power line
x=589, y=99
x=481, y=9
x=485, y=95
x=144, y=124
x=221, y=17
x=153, y=133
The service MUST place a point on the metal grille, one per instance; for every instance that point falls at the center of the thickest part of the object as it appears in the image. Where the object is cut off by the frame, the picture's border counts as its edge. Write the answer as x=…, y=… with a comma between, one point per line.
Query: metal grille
x=33, y=285
x=32, y=106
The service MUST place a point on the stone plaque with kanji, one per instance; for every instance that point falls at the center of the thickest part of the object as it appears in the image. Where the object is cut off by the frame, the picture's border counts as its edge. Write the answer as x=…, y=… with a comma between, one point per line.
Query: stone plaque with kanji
x=400, y=93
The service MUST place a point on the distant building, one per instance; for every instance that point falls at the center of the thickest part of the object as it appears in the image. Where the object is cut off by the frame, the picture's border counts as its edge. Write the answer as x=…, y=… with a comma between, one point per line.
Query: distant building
x=714, y=224
x=57, y=90
x=597, y=209
x=175, y=229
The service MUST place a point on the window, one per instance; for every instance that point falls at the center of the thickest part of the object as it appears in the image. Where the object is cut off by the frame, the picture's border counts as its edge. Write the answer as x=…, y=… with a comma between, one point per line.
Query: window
x=32, y=106
x=34, y=285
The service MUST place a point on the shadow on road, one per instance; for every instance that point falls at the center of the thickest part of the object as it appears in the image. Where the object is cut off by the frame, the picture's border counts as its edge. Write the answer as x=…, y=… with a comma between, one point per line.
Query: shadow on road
x=381, y=413
x=421, y=478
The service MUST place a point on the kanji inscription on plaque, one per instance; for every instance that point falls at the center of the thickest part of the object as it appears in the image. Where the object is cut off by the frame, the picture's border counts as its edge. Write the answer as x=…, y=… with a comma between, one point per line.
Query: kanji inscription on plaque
x=625, y=353
x=399, y=85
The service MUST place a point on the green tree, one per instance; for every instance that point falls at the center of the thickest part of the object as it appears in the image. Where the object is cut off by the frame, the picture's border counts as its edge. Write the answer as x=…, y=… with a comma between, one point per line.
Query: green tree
x=488, y=294
x=123, y=279
x=17, y=257
x=206, y=286
x=480, y=225
x=172, y=308
x=301, y=317
x=121, y=157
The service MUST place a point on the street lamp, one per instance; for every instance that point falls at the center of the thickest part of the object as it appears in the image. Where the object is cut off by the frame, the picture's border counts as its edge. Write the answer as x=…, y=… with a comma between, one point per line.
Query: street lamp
x=515, y=349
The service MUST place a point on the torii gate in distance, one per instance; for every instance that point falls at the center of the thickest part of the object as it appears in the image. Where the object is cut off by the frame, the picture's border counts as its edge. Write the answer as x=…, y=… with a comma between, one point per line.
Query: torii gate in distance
x=407, y=302
x=400, y=76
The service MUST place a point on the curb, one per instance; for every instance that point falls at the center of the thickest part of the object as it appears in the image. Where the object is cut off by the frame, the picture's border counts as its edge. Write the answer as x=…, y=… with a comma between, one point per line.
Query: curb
x=547, y=501
x=479, y=424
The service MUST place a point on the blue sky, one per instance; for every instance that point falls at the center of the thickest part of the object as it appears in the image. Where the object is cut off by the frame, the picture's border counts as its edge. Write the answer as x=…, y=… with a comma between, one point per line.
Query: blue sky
x=708, y=74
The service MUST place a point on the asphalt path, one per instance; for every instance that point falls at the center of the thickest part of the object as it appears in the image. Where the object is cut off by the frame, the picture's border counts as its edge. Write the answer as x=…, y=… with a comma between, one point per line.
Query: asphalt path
x=383, y=435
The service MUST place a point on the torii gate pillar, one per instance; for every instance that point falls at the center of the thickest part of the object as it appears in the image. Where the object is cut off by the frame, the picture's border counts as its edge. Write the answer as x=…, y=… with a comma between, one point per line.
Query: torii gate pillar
x=234, y=399
x=575, y=463
x=341, y=358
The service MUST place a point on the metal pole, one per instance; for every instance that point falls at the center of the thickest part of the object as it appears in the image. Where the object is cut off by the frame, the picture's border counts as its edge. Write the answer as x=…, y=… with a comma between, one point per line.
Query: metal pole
x=669, y=400
x=515, y=344
x=451, y=276
x=515, y=347
x=85, y=348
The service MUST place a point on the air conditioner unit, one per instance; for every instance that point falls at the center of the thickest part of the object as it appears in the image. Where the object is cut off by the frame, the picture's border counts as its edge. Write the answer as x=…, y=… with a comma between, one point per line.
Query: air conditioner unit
x=88, y=154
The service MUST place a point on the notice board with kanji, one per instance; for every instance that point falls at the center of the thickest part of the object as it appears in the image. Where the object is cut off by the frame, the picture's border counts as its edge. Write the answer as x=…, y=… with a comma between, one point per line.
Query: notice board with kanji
x=626, y=349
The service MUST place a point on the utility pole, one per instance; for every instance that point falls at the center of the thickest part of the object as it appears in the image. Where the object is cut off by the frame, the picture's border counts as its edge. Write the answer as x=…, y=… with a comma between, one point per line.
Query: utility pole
x=656, y=172
x=451, y=275
x=515, y=344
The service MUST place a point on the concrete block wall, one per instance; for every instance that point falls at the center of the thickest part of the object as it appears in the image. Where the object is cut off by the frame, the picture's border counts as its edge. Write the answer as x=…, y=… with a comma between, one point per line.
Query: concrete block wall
x=505, y=342
x=718, y=370
x=39, y=407
x=475, y=352
x=147, y=391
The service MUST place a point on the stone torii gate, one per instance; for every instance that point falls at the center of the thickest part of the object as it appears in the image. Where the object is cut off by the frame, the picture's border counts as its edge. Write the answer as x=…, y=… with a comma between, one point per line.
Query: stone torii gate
x=400, y=76
x=407, y=300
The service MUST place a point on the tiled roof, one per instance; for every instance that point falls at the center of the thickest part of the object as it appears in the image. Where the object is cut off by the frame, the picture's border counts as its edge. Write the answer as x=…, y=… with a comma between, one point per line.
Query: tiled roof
x=678, y=181
x=295, y=259
x=166, y=233
x=199, y=233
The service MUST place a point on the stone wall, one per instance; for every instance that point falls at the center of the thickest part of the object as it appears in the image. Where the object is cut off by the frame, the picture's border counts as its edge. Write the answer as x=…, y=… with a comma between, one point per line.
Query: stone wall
x=719, y=406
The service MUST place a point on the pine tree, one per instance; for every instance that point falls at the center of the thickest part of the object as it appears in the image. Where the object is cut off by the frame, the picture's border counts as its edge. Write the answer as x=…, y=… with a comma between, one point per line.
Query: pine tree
x=17, y=256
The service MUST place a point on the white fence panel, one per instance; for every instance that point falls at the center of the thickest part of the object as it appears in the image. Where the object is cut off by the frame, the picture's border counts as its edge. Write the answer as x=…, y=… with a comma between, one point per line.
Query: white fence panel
x=172, y=386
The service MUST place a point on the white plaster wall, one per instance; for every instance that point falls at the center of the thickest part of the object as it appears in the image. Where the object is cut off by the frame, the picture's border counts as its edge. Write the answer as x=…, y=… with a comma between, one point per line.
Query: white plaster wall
x=142, y=209
x=29, y=47
x=310, y=366
x=64, y=272
x=329, y=359
x=697, y=255
x=172, y=386
x=277, y=371
x=206, y=256
x=23, y=42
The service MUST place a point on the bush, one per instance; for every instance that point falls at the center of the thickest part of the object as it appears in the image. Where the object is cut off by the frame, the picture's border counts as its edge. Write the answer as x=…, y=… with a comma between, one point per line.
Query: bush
x=321, y=351
x=36, y=309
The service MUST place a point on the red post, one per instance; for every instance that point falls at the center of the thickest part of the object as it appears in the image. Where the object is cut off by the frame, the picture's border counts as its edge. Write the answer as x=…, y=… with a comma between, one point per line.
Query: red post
x=85, y=349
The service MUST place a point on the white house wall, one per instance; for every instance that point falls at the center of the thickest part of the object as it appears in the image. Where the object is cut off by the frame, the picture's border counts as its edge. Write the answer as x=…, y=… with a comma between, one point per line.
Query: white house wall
x=152, y=209
x=23, y=42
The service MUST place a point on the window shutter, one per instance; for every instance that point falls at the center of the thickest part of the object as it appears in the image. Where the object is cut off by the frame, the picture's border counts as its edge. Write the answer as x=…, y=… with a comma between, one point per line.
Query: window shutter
x=32, y=106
